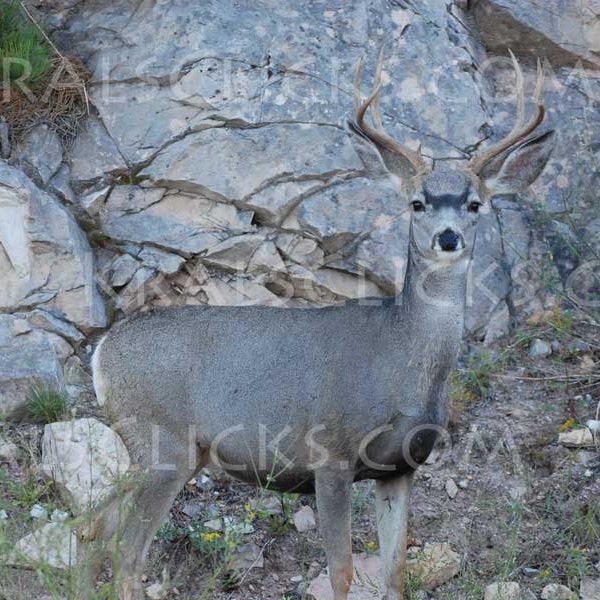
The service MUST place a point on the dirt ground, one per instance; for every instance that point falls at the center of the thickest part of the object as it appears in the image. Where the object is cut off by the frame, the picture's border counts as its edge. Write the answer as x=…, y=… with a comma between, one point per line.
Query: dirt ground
x=527, y=508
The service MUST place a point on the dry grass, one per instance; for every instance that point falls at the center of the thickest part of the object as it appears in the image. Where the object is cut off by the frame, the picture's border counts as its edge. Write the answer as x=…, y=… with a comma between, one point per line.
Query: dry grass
x=60, y=99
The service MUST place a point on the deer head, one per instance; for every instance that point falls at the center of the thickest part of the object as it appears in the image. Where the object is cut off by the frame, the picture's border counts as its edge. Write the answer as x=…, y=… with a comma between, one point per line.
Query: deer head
x=445, y=200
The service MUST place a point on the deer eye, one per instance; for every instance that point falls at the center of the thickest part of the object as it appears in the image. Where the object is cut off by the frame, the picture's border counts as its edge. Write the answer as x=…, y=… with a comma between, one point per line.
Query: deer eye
x=418, y=206
x=473, y=207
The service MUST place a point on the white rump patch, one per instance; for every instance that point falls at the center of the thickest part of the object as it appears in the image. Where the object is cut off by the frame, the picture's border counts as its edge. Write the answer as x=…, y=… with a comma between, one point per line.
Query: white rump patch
x=97, y=379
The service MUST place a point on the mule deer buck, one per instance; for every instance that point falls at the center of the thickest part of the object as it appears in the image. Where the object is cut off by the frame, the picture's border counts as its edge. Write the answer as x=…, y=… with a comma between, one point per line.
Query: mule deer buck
x=322, y=397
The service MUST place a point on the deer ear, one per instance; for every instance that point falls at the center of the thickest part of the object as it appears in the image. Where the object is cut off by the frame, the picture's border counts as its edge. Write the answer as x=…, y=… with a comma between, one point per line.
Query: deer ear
x=518, y=168
x=378, y=160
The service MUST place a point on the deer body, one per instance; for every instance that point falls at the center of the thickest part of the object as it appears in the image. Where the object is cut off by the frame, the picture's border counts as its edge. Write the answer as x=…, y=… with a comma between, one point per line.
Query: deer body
x=308, y=399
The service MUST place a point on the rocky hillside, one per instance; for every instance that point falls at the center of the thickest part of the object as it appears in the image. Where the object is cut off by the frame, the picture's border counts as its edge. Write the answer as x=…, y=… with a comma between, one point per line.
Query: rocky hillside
x=213, y=165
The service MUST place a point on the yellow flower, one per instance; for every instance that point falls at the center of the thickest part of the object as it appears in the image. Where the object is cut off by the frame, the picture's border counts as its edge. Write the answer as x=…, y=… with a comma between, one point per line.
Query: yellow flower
x=371, y=545
x=210, y=537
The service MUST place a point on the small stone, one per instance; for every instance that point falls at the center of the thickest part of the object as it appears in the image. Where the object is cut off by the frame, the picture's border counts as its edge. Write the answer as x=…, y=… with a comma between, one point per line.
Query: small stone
x=589, y=589
x=576, y=438
x=463, y=484
x=192, y=509
x=540, y=349
x=296, y=579
x=577, y=346
x=451, y=489
x=205, y=483
x=39, y=512
x=248, y=556
x=555, y=591
x=8, y=450
x=159, y=590
x=59, y=516
x=304, y=519
x=268, y=504
x=214, y=525
x=434, y=565
x=3, y=515
x=556, y=346
x=503, y=591
x=593, y=425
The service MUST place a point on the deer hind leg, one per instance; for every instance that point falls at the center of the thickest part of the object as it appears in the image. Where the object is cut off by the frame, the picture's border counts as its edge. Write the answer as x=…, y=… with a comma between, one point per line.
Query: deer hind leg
x=125, y=526
x=334, y=490
x=392, y=503
x=149, y=506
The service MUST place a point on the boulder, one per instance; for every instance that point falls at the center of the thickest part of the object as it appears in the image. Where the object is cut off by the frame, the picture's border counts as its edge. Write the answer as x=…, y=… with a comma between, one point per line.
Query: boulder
x=47, y=259
x=27, y=359
x=84, y=457
x=52, y=545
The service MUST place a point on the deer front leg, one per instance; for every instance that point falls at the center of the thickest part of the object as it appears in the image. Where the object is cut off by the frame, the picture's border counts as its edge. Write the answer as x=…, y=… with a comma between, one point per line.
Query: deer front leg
x=333, y=489
x=391, y=502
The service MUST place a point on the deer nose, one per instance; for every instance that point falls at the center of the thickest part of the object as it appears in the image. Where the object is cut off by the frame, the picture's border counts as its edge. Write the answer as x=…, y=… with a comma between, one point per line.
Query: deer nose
x=448, y=240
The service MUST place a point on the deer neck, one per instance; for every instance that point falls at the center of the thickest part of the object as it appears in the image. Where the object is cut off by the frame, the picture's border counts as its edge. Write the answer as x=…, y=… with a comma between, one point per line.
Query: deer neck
x=434, y=296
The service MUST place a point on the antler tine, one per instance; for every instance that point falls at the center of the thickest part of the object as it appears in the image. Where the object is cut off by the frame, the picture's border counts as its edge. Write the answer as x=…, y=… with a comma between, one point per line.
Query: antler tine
x=377, y=86
x=376, y=133
x=519, y=131
x=520, y=84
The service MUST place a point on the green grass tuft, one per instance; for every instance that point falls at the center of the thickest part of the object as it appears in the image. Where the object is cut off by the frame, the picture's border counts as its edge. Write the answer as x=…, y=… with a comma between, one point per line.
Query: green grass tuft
x=46, y=405
x=24, y=53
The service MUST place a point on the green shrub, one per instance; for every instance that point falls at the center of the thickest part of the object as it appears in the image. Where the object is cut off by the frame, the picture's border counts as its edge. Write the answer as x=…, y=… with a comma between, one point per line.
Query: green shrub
x=46, y=405
x=23, y=50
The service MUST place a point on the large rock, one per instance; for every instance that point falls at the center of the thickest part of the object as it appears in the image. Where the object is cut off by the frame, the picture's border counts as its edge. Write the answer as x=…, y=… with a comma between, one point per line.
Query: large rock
x=209, y=162
x=52, y=545
x=562, y=31
x=85, y=457
x=268, y=72
x=94, y=153
x=183, y=222
x=45, y=258
x=28, y=357
x=41, y=150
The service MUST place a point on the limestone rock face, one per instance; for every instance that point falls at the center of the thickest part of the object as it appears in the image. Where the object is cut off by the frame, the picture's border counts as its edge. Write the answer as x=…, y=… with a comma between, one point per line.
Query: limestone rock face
x=219, y=168
x=567, y=31
x=46, y=259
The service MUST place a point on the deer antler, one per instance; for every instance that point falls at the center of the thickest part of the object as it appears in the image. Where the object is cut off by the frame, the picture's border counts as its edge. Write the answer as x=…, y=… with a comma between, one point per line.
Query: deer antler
x=376, y=133
x=520, y=130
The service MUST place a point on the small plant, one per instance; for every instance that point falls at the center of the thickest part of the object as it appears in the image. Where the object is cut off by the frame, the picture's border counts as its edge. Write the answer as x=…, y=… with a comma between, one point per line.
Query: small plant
x=215, y=548
x=168, y=532
x=46, y=405
x=24, y=53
